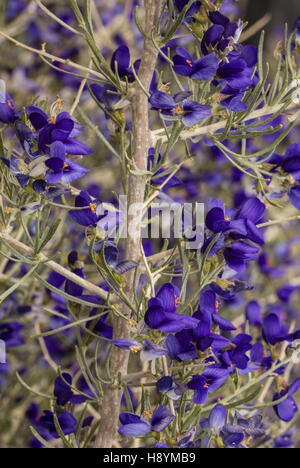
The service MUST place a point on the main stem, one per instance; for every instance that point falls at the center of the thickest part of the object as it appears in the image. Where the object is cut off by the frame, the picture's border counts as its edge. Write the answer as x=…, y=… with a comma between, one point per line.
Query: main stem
x=110, y=408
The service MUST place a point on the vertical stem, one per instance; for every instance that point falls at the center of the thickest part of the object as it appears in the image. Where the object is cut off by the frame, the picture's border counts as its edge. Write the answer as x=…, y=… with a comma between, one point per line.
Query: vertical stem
x=136, y=192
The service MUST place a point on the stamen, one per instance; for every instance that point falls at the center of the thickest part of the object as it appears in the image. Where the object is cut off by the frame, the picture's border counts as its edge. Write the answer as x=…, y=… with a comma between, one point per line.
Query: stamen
x=93, y=207
x=178, y=110
x=132, y=322
x=135, y=349
x=8, y=210
x=177, y=301
x=52, y=119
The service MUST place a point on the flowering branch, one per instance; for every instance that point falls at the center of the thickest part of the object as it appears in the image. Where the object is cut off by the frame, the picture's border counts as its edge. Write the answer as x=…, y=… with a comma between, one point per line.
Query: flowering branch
x=136, y=192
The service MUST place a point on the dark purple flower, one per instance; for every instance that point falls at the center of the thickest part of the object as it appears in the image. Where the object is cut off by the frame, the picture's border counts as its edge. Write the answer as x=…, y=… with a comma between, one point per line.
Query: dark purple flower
x=291, y=161
x=87, y=216
x=240, y=224
x=203, y=69
x=63, y=392
x=107, y=95
x=180, y=346
x=120, y=62
x=61, y=169
x=57, y=128
x=66, y=420
x=235, y=74
x=274, y=331
x=134, y=426
x=10, y=333
x=239, y=254
x=7, y=109
x=233, y=440
x=164, y=384
x=253, y=313
x=192, y=10
x=284, y=441
x=286, y=409
x=208, y=382
x=190, y=112
x=219, y=35
x=161, y=313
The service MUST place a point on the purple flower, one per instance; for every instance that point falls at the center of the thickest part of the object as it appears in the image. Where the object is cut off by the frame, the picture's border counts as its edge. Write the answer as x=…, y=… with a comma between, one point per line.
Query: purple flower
x=253, y=313
x=194, y=8
x=235, y=74
x=64, y=393
x=203, y=69
x=57, y=128
x=134, y=426
x=219, y=34
x=161, y=313
x=241, y=224
x=274, y=331
x=66, y=420
x=217, y=418
x=61, y=169
x=7, y=109
x=120, y=62
x=164, y=384
x=87, y=216
x=180, y=346
x=107, y=95
x=239, y=254
x=234, y=434
x=286, y=409
x=291, y=165
x=190, y=112
x=291, y=161
x=210, y=304
x=130, y=345
x=208, y=382
x=10, y=333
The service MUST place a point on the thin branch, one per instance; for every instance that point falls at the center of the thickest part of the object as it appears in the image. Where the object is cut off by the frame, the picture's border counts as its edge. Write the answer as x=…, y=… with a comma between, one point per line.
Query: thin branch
x=54, y=58
x=93, y=289
x=208, y=130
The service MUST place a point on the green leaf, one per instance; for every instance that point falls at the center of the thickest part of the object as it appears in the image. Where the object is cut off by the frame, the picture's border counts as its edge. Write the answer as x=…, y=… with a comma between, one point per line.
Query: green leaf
x=10, y=290
x=48, y=234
